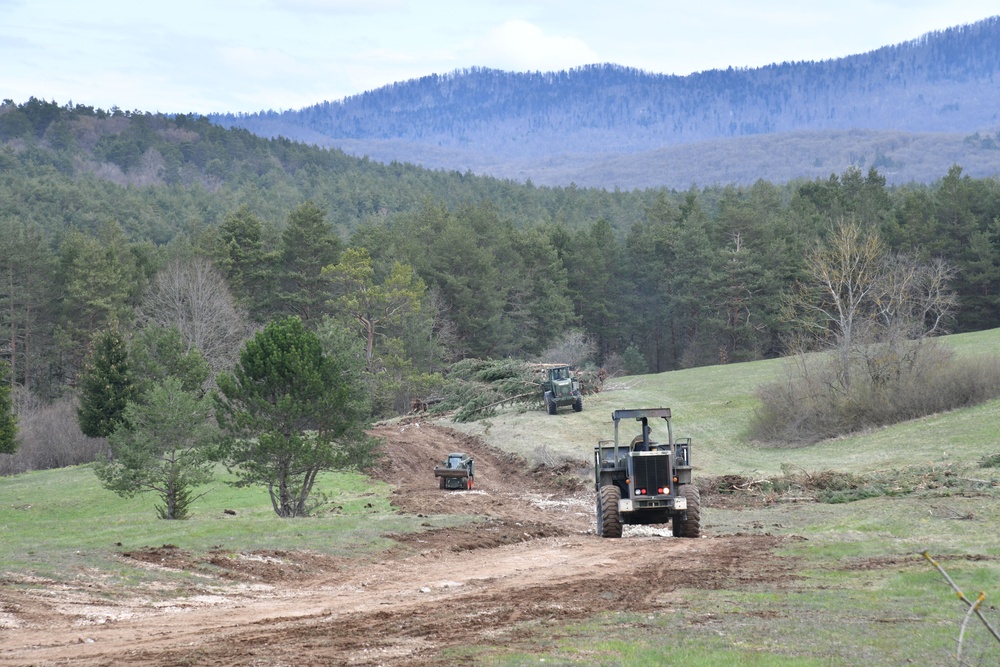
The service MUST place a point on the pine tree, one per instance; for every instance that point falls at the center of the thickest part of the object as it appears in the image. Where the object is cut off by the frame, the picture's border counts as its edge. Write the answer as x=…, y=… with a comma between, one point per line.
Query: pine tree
x=242, y=259
x=164, y=450
x=105, y=386
x=307, y=245
x=290, y=411
x=8, y=420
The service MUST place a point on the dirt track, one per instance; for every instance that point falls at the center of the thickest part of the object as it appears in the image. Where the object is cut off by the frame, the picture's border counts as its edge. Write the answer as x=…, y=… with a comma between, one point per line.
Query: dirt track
x=534, y=559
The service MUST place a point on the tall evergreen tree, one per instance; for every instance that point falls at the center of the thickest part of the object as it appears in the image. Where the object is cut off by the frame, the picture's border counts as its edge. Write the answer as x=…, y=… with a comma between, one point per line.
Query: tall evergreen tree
x=27, y=315
x=243, y=260
x=100, y=280
x=308, y=244
x=650, y=275
x=106, y=386
x=595, y=276
x=372, y=306
x=8, y=420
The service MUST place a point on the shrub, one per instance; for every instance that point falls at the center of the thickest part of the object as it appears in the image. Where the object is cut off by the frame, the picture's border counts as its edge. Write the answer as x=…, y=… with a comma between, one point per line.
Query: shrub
x=814, y=402
x=49, y=436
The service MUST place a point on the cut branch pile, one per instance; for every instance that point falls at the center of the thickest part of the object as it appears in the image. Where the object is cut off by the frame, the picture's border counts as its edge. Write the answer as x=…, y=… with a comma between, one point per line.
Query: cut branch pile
x=478, y=388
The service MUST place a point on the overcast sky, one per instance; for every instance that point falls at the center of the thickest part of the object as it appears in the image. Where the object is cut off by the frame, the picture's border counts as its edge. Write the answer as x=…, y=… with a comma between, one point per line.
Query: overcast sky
x=247, y=55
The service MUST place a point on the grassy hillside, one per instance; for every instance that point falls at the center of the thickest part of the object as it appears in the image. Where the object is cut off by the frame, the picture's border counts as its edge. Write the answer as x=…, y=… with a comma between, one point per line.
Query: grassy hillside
x=857, y=582
x=860, y=580
x=713, y=405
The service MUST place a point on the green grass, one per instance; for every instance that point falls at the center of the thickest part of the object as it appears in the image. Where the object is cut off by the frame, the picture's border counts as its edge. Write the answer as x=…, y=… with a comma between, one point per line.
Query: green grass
x=863, y=595
x=713, y=405
x=60, y=523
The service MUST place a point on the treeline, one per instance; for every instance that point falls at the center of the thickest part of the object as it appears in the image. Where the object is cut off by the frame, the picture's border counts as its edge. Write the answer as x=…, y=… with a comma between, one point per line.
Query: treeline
x=940, y=82
x=74, y=167
x=426, y=268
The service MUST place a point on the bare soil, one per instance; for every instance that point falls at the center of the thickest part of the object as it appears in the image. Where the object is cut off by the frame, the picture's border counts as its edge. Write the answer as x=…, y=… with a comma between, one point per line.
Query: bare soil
x=532, y=559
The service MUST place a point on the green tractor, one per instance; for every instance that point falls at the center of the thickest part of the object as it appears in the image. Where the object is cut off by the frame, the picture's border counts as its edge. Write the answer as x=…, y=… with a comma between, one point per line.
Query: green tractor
x=458, y=472
x=645, y=482
x=561, y=387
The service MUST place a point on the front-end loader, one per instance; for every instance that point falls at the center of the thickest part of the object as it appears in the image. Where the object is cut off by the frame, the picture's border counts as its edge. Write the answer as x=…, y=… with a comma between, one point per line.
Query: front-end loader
x=458, y=472
x=642, y=481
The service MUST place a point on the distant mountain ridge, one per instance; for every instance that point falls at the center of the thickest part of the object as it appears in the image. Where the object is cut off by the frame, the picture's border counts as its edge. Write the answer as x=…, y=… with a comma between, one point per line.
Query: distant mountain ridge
x=577, y=124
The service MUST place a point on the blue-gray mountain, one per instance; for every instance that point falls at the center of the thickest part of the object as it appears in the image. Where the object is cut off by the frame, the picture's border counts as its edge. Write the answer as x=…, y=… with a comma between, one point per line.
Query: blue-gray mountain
x=911, y=110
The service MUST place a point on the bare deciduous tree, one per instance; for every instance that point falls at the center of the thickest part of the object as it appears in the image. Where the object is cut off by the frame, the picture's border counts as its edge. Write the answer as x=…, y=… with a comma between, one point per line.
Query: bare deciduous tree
x=573, y=348
x=869, y=302
x=190, y=294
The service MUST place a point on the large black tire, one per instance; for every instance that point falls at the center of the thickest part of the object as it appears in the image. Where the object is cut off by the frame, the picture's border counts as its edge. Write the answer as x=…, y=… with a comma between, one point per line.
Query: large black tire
x=578, y=404
x=441, y=482
x=609, y=522
x=692, y=526
x=550, y=404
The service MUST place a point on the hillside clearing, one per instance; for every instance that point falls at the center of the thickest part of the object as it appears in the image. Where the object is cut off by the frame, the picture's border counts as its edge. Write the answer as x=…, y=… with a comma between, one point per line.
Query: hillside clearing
x=394, y=571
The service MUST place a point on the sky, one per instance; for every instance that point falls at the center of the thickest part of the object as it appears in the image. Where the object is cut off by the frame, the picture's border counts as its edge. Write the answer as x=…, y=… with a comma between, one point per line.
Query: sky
x=208, y=56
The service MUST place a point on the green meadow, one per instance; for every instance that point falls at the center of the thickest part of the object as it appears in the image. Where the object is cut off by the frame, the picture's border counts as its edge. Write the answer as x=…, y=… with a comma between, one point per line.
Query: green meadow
x=860, y=592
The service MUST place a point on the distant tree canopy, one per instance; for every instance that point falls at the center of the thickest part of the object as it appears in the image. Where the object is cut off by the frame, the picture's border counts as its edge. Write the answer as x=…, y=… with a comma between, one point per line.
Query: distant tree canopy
x=493, y=115
x=214, y=229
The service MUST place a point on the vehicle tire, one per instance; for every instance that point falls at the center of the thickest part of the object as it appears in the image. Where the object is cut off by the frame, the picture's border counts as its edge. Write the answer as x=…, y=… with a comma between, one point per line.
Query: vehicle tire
x=692, y=526
x=550, y=404
x=441, y=482
x=578, y=404
x=609, y=522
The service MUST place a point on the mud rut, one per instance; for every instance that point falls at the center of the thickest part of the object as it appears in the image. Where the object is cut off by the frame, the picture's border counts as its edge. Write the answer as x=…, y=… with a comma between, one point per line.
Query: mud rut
x=534, y=559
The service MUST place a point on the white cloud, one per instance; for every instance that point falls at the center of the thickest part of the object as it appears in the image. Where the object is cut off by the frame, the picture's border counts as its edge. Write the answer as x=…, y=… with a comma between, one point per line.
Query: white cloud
x=520, y=45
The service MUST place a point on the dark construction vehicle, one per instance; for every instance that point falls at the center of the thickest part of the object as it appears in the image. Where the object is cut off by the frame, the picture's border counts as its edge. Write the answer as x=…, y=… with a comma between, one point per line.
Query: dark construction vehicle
x=560, y=387
x=645, y=482
x=458, y=472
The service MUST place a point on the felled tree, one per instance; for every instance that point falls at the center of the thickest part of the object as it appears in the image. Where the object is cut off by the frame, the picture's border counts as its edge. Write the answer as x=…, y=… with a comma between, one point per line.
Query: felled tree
x=105, y=386
x=164, y=450
x=477, y=388
x=289, y=411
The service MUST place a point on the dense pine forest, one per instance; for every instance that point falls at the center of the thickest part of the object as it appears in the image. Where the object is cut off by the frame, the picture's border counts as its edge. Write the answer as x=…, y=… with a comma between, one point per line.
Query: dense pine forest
x=145, y=223
x=96, y=203
x=522, y=124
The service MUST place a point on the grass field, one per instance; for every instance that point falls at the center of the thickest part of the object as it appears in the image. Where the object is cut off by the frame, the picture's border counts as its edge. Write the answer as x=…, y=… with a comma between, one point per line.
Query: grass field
x=862, y=575
x=859, y=573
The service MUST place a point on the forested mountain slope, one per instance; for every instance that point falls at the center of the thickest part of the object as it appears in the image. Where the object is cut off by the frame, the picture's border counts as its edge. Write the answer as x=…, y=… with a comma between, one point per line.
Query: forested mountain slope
x=103, y=211
x=607, y=125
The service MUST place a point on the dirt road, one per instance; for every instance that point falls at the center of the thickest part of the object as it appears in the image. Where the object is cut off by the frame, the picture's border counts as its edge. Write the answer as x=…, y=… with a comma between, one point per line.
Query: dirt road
x=533, y=559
